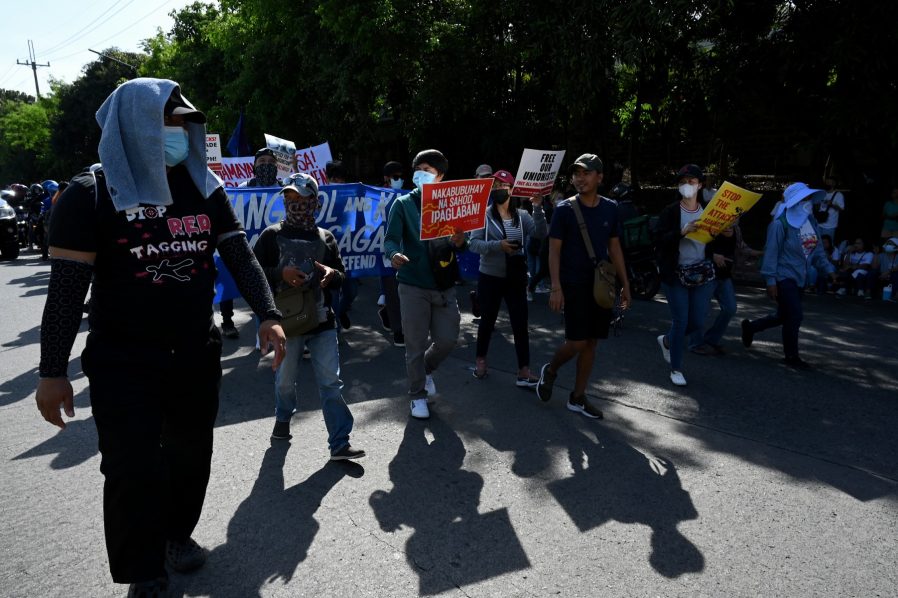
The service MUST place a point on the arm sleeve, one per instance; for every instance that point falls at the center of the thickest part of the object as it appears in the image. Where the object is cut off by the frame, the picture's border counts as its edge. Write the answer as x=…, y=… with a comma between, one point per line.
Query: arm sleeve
x=248, y=275
x=540, y=228
x=69, y=281
x=478, y=242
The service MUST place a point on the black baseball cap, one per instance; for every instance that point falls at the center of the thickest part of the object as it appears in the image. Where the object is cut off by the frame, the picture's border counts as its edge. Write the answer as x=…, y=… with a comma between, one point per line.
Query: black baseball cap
x=178, y=106
x=587, y=162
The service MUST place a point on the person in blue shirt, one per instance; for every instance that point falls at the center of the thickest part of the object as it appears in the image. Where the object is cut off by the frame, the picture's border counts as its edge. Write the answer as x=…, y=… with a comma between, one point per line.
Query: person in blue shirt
x=793, y=248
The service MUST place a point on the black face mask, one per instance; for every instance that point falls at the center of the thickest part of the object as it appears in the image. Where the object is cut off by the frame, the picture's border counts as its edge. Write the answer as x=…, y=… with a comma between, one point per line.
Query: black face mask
x=499, y=196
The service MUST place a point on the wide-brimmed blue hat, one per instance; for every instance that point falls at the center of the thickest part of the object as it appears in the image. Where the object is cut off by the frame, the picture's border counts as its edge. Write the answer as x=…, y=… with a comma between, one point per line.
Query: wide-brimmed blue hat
x=797, y=192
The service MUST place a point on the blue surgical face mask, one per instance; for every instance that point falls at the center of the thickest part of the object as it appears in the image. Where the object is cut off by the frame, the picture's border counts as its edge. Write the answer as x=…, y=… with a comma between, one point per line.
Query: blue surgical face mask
x=177, y=146
x=422, y=177
x=396, y=183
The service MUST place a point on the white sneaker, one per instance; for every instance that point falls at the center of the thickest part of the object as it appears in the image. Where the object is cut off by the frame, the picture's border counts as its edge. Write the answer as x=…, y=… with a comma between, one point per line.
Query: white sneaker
x=665, y=352
x=677, y=378
x=529, y=295
x=429, y=386
x=381, y=301
x=842, y=292
x=419, y=409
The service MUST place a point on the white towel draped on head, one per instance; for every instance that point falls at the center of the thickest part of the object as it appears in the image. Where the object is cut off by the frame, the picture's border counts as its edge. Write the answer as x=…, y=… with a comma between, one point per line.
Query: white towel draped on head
x=132, y=145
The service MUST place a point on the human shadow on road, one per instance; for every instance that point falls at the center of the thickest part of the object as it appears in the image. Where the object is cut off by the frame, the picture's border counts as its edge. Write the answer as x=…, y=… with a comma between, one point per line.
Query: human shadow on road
x=72, y=446
x=610, y=480
x=453, y=544
x=614, y=481
x=271, y=531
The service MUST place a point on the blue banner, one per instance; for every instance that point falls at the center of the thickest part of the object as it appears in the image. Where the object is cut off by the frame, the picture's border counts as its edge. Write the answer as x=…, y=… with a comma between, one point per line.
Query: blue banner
x=355, y=213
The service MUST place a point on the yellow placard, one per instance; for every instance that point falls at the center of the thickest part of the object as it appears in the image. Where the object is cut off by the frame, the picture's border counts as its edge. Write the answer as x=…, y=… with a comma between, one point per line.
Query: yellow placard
x=730, y=202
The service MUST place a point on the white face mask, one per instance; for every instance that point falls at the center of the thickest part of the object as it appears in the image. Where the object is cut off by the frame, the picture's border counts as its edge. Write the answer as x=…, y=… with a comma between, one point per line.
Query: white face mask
x=396, y=183
x=890, y=249
x=807, y=207
x=422, y=177
x=687, y=190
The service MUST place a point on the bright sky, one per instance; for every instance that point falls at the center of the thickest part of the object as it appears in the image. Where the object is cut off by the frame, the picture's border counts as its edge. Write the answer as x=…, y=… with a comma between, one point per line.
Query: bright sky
x=63, y=30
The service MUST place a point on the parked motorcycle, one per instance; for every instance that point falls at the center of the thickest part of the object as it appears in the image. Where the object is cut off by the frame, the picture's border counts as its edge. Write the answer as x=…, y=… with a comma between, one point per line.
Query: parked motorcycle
x=9, y=233
x=639, y=251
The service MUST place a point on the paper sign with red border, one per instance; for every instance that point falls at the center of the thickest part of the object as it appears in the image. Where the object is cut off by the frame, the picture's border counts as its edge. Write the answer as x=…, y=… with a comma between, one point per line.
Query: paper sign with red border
x=213, y=154
x=454, y=206
x=725, y=207
x=537, y=172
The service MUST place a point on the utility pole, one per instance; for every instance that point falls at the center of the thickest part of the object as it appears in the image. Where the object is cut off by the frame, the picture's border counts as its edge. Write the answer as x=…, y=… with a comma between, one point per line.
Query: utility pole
x=32, y=62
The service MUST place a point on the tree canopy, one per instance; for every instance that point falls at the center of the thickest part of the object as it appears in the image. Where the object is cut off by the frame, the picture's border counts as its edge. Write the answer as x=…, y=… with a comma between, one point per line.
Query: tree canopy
x=756, y=86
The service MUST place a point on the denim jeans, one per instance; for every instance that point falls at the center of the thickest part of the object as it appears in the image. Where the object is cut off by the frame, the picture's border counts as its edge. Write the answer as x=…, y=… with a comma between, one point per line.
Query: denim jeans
x=788, y=315
x=688, y=309
x=326, y=367
x=725, y=293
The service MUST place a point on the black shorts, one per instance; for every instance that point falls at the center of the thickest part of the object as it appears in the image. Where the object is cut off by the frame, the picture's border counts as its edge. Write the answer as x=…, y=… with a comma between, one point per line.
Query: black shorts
x=583, y=318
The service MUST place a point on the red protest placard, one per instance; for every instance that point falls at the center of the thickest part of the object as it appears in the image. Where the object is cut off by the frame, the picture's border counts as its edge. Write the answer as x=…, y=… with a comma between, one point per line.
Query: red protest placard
x=454, y=206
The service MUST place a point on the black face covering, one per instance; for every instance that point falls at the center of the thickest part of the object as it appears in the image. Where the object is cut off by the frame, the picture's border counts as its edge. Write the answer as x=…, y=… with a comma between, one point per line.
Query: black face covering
x=498, y=196
x=266, y=174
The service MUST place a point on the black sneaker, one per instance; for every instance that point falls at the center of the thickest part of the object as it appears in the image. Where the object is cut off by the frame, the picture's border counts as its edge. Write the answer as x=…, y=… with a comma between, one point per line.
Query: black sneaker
x=583, y=406
x=475, y=304
x=345, y=324
x=398, y=340
x=228, y=330
x=281, y=431
x=747, y=335
x=346, y=453
x=798, y=363
x=158, y=588
x=384, y=318
x=185, y=556
x=544, y=386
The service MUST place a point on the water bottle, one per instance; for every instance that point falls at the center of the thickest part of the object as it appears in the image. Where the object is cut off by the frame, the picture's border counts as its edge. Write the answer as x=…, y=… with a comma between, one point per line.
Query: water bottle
x=887, y=293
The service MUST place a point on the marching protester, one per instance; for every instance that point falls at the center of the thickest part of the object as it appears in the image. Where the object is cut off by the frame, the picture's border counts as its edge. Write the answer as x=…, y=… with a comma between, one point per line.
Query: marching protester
x=792, y=248
x=296, y=254
x=426, y=273
x=686, y=267
x=503, y=272
x=389, y=310
x=345, y=295
x=572, y=271
x=145, y=227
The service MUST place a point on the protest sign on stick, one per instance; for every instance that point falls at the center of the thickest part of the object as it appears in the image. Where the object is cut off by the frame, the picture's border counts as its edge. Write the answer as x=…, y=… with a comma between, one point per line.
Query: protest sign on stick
x=453, y=206
x=213, y=154
x=725, y=207
x=313, y=160
x=284, y=153
x=537, y=172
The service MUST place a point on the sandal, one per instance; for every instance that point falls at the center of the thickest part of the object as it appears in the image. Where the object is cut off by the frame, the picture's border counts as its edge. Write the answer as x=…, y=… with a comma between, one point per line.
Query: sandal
x=480, y=368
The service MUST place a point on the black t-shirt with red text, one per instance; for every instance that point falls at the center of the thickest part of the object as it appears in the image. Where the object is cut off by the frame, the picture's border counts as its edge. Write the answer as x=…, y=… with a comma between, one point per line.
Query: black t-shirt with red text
x=154, y=272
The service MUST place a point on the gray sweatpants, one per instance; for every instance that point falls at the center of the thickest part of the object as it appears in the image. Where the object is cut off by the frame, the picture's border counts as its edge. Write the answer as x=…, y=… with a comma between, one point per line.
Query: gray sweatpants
x=430, y=322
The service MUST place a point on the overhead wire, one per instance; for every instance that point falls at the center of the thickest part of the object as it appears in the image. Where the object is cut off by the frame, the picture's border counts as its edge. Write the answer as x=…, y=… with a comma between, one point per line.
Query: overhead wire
x=134, y=24
x=49, y=55
x=66, y=40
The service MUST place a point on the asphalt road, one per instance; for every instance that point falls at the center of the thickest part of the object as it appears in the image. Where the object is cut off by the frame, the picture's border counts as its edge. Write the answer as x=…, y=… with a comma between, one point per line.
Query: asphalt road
x=754, y=480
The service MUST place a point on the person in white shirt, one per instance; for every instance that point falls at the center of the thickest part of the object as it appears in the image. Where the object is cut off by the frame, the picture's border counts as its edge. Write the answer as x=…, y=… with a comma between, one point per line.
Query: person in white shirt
x=827, y=213
x=855, y=270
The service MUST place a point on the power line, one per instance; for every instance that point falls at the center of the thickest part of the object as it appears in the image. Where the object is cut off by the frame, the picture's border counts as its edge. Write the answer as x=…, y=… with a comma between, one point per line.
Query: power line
x=66, y=40
x=109, y=18
x=134, y=24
